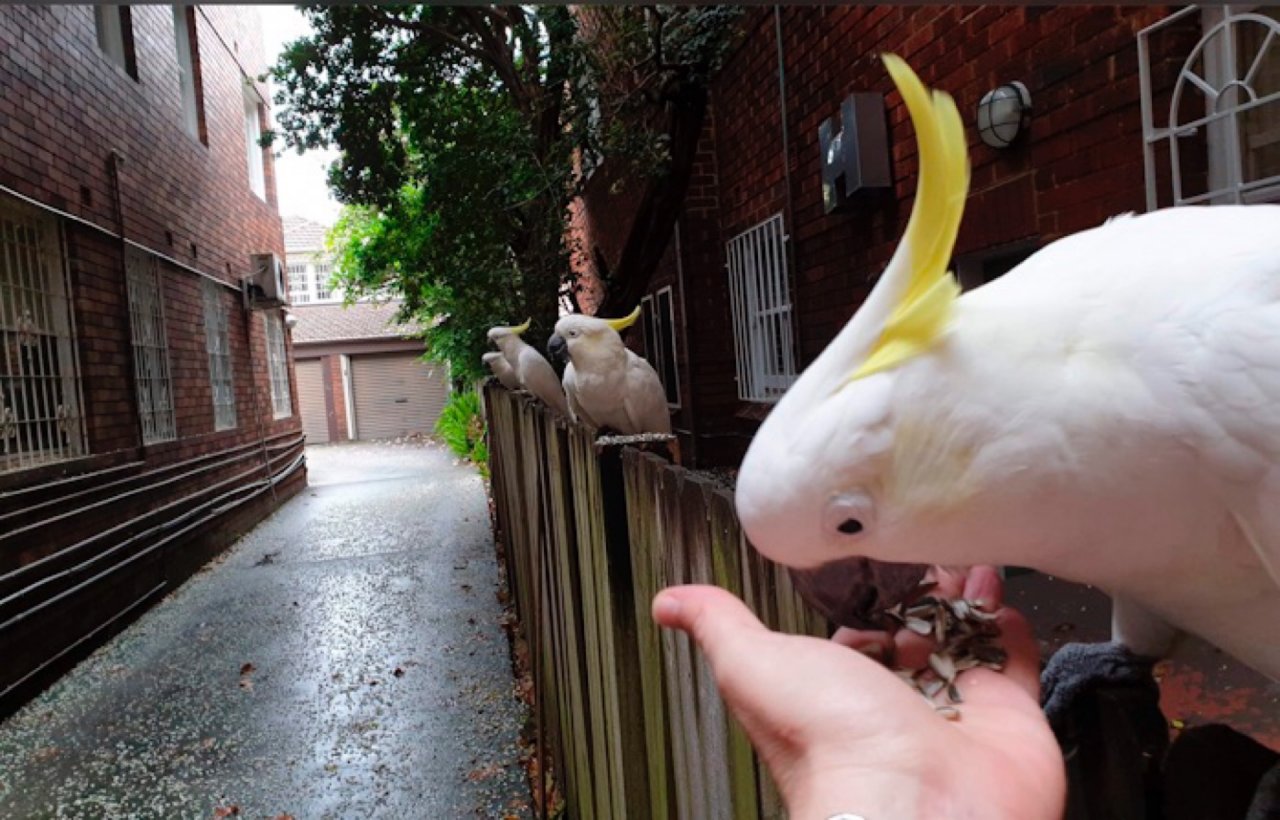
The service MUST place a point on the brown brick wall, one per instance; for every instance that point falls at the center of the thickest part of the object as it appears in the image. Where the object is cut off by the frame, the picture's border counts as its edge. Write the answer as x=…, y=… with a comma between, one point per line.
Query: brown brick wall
x=107, y=531
x=1080, y=163
x=64, y=107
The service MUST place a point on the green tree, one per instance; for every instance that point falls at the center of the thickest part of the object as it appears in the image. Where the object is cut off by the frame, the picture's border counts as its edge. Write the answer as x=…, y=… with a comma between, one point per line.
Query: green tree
x=464, y=135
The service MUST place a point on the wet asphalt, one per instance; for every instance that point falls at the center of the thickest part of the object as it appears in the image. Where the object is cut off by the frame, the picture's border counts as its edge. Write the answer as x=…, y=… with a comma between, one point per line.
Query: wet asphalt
x=343, y=660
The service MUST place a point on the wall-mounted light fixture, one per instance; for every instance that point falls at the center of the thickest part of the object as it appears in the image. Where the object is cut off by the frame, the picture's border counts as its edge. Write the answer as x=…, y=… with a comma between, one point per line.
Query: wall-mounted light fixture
x=1003, y=114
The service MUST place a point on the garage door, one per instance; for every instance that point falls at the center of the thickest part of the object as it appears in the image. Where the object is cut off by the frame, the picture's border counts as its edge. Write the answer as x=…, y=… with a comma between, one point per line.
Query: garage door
x=315, y=418
x=396, y=395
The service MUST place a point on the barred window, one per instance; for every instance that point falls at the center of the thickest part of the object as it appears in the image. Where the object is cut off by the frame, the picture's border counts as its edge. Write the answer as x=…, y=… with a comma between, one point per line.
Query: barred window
x=40, y=416
x=761, y=301
x=299, y=292
x=660, y=341
x=150, y=347
x=278, y=365
x=217, y=341
x=324, y=270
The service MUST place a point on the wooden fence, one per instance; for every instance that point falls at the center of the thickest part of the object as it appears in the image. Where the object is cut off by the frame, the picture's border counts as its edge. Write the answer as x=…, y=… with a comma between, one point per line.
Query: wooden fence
x=629, y=713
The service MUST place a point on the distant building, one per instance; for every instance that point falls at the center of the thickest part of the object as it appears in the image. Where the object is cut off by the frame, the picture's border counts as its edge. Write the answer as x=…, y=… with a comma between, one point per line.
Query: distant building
x=147, y=418
x=310, y=266
x=362, y=377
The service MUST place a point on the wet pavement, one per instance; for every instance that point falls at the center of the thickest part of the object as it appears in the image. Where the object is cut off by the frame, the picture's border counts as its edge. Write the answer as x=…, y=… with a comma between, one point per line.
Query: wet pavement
x=345, y=659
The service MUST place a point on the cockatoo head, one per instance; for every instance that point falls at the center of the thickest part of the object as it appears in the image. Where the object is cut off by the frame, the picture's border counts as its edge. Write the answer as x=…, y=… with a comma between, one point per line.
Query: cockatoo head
x=501, y=336
x=587, y=337
x=841, y=469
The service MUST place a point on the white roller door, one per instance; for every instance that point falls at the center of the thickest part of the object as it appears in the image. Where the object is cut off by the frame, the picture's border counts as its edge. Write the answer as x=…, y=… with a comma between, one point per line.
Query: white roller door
x=396, y=394
x=315, y=416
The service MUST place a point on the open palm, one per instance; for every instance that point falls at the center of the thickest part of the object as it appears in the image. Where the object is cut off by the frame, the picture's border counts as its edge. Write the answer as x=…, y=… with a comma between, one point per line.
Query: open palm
x=842, y=734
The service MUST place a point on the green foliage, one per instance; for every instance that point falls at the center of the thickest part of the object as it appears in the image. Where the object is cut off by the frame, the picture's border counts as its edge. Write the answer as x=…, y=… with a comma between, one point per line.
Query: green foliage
x=461, y=131
x=461, y=426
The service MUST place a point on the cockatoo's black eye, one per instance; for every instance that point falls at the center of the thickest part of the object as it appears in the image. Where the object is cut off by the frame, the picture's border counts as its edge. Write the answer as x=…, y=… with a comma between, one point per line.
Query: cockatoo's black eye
x=851, y=526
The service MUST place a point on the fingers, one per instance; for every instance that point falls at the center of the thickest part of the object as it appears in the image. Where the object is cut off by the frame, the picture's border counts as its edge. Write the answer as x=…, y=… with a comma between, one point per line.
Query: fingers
x=984, y=583
x=713, y=617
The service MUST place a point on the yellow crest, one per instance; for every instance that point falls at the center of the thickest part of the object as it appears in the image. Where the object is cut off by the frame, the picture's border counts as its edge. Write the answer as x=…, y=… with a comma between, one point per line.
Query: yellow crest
x=625, y=322
x=518, y=329
x=924, y=304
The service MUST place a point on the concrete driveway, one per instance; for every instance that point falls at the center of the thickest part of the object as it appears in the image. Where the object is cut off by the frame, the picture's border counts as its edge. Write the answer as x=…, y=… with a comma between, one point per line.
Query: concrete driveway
x=345, y=659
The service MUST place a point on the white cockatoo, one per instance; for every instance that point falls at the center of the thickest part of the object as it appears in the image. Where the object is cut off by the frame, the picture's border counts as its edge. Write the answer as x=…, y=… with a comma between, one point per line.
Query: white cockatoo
x=607, y=385
x=501, y=368
x=532, y=371
x=1107, y=412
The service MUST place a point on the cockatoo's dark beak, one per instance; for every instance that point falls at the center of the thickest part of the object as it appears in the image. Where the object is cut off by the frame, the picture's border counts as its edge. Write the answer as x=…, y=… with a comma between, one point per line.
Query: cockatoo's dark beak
x=557, y=347
x=855, y=592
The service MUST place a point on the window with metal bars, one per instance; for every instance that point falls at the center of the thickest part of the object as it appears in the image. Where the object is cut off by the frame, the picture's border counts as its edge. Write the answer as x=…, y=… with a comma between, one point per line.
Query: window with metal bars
x=660, y=341
x=760, y=294
x=217, y=341
x=150, y=347
x=40, y=416
x=278, y=367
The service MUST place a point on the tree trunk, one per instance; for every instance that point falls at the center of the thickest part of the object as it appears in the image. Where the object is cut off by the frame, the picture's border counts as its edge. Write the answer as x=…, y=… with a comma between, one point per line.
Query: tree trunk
x=660, y=206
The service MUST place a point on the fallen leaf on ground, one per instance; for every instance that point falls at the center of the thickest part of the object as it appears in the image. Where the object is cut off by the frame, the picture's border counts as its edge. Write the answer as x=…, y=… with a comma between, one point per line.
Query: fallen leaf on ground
x=247, y=668
x=399, y=673
x=226, y=811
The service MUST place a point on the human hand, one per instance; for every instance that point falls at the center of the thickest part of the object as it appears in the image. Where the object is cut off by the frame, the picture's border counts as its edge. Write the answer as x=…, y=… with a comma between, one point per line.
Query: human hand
x=842, y=734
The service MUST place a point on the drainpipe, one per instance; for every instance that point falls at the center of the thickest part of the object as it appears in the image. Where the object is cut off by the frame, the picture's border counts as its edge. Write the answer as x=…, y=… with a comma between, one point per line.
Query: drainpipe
x=114, y=163
x=792, y=264
x=684, y=334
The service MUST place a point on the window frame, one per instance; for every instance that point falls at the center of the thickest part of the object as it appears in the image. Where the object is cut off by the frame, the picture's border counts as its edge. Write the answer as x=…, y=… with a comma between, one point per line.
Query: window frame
x=149, y=342
x=113, y=25
x=277, y=366
x=190, y=87
x=256, y=162
x=763, y=309
x=217, y=344
x=51, y=264
x=660, y=351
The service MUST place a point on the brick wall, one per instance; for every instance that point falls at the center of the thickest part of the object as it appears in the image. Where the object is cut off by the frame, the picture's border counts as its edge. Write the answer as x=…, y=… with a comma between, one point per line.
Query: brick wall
x=86, y=544
x=64, y=107
x=1080, y=163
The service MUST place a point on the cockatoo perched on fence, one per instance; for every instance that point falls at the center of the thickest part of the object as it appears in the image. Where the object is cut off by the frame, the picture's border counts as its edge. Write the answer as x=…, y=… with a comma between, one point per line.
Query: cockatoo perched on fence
x=1108, y=412
x=533, y=372
x=501, y=368
x=608, y=385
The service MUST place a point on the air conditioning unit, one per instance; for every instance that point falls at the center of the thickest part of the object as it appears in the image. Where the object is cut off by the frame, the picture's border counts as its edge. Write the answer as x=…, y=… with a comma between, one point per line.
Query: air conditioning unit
x=264, y=288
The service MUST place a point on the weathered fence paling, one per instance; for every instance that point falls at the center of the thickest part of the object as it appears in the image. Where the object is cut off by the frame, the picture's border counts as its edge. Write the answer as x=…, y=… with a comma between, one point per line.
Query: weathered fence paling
x=629, y=713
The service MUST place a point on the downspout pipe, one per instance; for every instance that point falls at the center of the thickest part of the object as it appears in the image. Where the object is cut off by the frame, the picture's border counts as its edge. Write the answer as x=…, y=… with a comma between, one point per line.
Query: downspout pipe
x=792, y=263
x=114, y=163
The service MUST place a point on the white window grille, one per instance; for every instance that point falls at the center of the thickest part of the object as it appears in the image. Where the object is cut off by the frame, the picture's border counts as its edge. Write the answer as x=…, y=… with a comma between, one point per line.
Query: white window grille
x=299, y=289
x=324, y=270
x=217, y=342
x=40, y=416
x=183, y=23
x=761, y=299
x=278, y=367
x=1220, y=137
x=253, y=143
x=660, y=341
x=150, y=346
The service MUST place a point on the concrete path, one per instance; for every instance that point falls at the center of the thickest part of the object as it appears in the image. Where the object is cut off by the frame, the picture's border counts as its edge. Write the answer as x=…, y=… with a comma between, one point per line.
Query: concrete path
x=344, y=660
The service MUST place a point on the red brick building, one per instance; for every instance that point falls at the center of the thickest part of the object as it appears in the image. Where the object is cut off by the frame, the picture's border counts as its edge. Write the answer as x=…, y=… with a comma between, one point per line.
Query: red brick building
x=759, y=276
x=147, y=416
